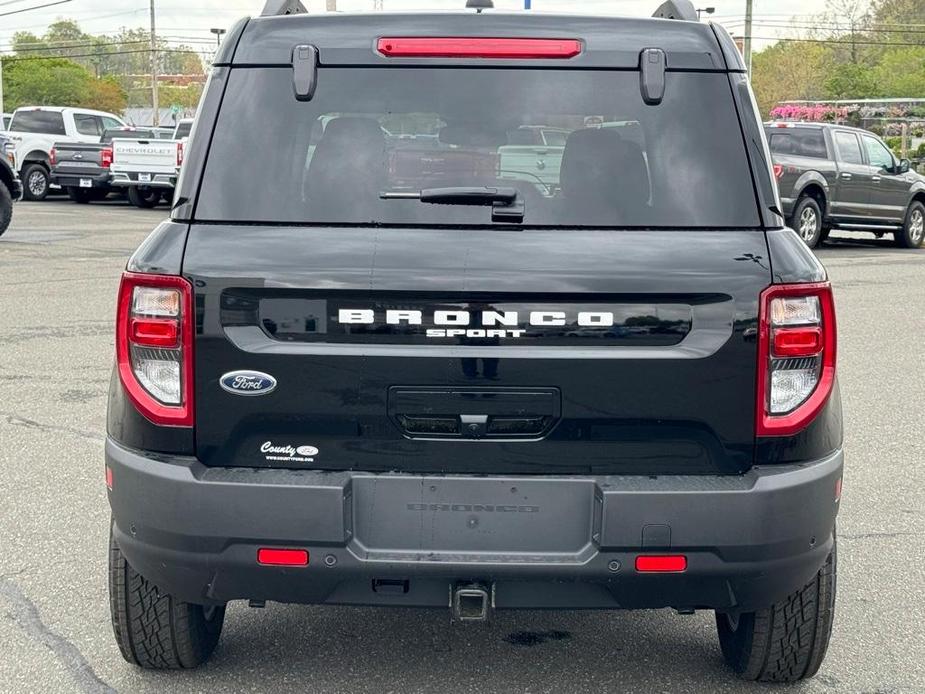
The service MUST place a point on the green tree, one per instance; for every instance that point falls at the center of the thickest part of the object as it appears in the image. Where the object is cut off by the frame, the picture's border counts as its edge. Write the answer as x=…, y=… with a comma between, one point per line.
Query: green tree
x=790, y=71
x=900, y=72
x=57, y=82
x=851, y=81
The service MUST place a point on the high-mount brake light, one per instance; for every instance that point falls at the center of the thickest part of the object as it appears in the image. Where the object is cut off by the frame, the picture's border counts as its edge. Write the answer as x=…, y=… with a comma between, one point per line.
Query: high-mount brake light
x=154, y=346
x=469, y=47
x=106, y=157
x=796, y=356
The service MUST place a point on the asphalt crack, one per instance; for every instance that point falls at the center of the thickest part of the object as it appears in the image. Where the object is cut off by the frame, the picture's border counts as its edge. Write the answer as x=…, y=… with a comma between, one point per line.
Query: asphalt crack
x=26, y=616
x=16, y=420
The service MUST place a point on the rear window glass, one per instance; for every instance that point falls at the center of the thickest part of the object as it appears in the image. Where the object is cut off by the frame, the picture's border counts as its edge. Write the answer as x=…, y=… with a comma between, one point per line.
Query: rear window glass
x=183, y=130
x=581, y=148
x=849, y=150
x=111, y=135
x=801, y=142
x=48, y=122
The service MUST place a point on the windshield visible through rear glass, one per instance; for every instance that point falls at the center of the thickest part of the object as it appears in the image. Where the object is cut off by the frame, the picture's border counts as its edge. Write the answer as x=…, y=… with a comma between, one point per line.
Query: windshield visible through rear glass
x=580, y=147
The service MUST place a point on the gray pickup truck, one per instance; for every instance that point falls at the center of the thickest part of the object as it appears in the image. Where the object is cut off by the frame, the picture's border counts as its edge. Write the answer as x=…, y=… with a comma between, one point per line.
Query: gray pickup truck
x=837, y=177
x=83, y=169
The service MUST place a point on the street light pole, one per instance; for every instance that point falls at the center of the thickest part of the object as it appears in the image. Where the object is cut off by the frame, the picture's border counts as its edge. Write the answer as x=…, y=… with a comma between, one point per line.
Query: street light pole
x=748, y=36
x=218, y=35
x=154, y=104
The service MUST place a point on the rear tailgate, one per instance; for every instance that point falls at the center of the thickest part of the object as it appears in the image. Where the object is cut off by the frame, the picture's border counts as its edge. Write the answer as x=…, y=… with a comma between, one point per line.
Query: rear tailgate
x=148, y=156
x=668, y=388
x=75, y=159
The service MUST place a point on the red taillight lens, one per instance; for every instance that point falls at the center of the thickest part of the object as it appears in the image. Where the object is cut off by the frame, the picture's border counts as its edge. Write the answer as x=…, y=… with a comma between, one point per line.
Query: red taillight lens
x=154, y=346
x=467, y=47
x=797, y=342
x=669, y=563
x=270, y=556
x=179, y=154
x=778, y=171
x=106, y=157
x=796, y=356
x=155, y=332
x=53, y=157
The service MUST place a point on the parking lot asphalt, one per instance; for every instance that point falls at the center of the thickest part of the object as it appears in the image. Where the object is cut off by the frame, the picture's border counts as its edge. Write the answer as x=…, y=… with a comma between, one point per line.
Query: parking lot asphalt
x=59, y=268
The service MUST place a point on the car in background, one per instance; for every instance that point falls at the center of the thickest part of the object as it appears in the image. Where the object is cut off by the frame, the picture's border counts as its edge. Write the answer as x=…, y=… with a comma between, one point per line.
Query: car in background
x=147, y=168
x=36, y=129
x=837, y=177
x=10, y=187
x=83, y=169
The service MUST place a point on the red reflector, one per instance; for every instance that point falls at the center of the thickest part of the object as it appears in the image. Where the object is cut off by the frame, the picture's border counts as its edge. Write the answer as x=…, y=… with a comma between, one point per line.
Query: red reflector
x=797, y=342
x=269, y=556
x=109, y=478
x=670, y=563
x=466, y=47
x=778, y=171
x=155, y=332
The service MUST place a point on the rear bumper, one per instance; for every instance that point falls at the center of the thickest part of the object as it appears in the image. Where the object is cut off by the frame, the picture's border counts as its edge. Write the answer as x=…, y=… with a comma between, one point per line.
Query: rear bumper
x=72, y=180
x=564, y=542
x=157, y=180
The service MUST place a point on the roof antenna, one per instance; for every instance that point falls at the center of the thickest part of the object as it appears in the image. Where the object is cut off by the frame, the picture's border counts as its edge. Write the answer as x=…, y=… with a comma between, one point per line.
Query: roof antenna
x=479, y=5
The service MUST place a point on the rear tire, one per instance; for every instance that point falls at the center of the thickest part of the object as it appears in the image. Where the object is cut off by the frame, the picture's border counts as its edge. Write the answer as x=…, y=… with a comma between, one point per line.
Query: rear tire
x=145, y=199
x=786, y=642
x=35, y=182
x=807, y=221
x=6, y=208
x=153, y=629
x=912, y=234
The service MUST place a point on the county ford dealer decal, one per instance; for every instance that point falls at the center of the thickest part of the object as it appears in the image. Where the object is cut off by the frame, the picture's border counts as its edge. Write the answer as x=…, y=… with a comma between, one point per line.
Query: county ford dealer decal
x=288, y=454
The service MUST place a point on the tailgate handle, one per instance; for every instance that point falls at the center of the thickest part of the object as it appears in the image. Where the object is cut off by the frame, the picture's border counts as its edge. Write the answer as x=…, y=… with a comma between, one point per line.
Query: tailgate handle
x=474, y=413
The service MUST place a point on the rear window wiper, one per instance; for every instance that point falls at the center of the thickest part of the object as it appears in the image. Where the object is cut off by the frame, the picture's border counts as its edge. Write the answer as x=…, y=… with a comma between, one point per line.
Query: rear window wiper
x=506, y=204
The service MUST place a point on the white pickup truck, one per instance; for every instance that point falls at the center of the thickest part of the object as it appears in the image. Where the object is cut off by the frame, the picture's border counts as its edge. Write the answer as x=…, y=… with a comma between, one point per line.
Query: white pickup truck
x=34, y=131
x=148, y=169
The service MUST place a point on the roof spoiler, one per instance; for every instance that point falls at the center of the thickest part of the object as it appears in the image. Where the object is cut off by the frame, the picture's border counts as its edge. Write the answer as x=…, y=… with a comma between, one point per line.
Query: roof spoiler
x=677, y=9
x=275, y=8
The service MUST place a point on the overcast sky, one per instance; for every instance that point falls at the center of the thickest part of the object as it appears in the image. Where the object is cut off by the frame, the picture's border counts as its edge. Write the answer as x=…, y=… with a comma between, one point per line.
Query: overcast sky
x=194, y=18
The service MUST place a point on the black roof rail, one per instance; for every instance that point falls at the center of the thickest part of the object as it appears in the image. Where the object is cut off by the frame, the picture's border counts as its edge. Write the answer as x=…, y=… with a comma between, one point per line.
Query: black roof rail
x=677, y=9
x=274, y=8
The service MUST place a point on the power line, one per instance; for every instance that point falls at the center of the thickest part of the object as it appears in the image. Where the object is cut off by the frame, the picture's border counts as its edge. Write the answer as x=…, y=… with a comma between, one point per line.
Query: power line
x=16, y=58
x=36, y=7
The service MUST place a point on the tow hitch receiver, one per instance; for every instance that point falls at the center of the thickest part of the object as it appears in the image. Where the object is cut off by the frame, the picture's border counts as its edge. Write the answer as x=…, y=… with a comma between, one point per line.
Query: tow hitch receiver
x=471, y=602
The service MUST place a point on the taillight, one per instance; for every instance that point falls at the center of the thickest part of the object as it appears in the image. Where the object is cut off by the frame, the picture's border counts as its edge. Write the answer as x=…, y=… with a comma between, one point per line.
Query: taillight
x=53, y=157
x=796, y=353
x=477, y=47
x=154, y=346
x=179, y=154
x=778, y=171
x=106, y=157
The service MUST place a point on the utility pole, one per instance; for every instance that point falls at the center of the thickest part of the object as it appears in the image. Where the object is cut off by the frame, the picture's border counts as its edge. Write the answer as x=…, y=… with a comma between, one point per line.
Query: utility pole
x=1, y=84
x=748, y=36
x=154, y=104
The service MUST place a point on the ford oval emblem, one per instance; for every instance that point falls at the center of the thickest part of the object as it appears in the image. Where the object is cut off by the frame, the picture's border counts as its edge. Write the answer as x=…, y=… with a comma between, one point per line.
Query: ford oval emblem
x=248, y=383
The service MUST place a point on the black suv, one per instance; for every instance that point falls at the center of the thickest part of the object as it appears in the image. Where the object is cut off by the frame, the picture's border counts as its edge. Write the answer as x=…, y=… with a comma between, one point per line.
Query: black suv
x=10, y=185
x=612, y=386
x=834, y=176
